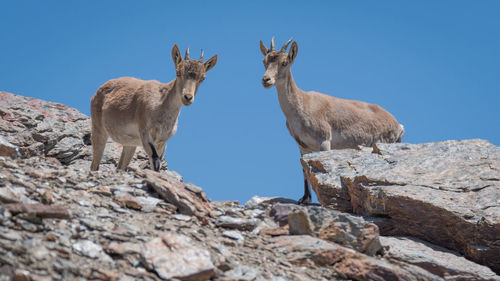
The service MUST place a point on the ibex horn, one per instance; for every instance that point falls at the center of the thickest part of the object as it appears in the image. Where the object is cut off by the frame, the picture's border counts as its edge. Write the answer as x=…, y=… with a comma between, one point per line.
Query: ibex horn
x=201, y=57
x=272, y=44
x=283, y=49
x=186, y=56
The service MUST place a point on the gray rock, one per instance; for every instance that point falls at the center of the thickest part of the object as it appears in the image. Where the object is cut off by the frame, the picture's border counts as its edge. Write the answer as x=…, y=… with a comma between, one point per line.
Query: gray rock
x=244, y=273
x=10, y=235
x=280, y=212
x=8, y=149
x=299, y=223
x=256, y=201
x=345, y=229
x=237, y=223
x=87, y=248
x=304, y=250
x=175, y=256
x=437, y=260
x=233, y=234
x=419, y=188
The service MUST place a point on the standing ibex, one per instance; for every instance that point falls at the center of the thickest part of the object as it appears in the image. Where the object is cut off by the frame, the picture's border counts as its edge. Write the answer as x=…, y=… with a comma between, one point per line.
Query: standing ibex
x=319, y=122
x=135, y=112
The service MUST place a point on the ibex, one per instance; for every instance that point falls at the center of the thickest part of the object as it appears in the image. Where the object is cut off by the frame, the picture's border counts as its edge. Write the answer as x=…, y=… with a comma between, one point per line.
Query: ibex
x=319, y=122
x=135, y=112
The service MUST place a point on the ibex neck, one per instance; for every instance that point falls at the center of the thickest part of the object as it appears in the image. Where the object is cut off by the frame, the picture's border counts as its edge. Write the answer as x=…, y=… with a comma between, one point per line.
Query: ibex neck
x=171, y=96
x=289, y=95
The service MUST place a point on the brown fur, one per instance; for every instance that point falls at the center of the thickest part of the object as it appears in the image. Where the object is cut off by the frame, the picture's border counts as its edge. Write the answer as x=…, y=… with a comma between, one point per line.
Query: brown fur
x=320, y=122
x=135, y=112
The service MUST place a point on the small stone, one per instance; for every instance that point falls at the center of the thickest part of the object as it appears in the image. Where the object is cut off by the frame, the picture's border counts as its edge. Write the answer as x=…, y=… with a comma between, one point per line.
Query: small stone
x=10, y=235
x=87, y=248
x=47, y=197
x=233, y=234
x=8, y=149
x=103, y=190
x=128, y=201
x=272, y=232
x=175, y=256
x=8, y=195
x=256, y=201
x=148, y=204
x=236, y=223
x=125, y=248
x=181, y=217
x=299, y=223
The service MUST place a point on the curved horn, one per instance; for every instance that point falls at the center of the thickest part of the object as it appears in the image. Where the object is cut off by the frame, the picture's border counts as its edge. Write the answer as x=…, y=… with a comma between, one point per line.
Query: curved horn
x=186, y=56
x=201, y=57
x=283, y=49
x=272, y=45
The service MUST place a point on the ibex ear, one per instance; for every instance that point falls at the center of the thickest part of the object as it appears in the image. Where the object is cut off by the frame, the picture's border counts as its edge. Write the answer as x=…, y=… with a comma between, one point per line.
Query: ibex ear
x=293, y=52
x=209, y=64
x=176, y=55
x=263, y=48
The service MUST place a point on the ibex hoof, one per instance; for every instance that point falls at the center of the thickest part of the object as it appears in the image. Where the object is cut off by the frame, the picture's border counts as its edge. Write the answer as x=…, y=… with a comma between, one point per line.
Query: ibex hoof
x=156, y=164
x=306, y=200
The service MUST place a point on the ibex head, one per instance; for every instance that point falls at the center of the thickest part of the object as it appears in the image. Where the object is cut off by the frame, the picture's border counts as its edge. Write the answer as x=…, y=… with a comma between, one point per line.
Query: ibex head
x=190, y=73
x=277, y=63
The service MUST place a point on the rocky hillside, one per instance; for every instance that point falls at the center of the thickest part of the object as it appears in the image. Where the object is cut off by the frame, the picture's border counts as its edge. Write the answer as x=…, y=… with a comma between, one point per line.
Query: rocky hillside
x=58, y=221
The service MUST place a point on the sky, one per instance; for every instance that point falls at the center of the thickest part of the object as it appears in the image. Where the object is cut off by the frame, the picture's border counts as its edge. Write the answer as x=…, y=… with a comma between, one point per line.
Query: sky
x=435, y=65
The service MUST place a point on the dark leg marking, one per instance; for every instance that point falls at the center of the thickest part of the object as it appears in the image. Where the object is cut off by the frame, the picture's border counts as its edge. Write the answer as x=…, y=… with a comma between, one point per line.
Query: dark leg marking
x=306, y=199
x=156, y=159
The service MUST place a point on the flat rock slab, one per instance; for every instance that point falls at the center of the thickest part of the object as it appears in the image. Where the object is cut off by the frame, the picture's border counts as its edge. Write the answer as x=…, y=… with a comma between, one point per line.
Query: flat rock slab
x=446, y=192
x=39, y=210
x=437, y=260
x=304, y=250
x=175, y=256
x=188, y=199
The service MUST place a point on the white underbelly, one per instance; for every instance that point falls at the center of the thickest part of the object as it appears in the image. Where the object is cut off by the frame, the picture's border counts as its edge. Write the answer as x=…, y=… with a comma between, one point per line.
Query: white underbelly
x=127, y=134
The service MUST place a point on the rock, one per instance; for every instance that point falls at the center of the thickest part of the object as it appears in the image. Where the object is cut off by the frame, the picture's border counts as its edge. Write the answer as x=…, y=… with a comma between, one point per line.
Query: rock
x=126, y=248
x=272, y=232
x=128, y=201
x=345, y=229
x=8, y=195
x=304, y=250
x=39, y=128
x=236, y=223
x=7, y=148
x=176, y=193
x=280, y=212
x=435, y=259
x=244, y=273
x=175, y=256
x=299, y=223
x=446, y=193
x=233, y=234
x=87, y=248
x=39, y=210
x=256, y=201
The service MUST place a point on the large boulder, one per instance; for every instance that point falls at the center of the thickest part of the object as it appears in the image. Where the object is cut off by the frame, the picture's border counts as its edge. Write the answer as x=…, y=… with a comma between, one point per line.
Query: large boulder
x=447, y=193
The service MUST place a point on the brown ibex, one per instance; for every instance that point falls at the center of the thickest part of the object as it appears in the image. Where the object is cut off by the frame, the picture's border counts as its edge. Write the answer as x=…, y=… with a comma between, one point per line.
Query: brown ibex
x=135, y=112
x=319, y=122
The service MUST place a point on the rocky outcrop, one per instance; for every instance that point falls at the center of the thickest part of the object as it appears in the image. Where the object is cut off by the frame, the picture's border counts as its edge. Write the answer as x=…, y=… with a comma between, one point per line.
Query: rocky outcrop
x=32, y=127
x=446, y=193
x=59, y=221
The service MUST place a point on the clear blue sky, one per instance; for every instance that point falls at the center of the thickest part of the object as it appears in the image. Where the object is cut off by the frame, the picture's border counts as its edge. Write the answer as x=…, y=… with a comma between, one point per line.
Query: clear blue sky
x=435, y=65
